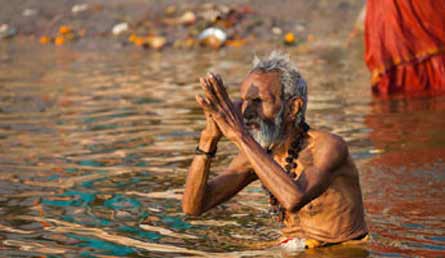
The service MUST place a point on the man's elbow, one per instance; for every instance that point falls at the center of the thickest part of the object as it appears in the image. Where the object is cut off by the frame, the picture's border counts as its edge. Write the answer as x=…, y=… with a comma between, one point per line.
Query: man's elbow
x=293, y=204
x=290, y=205
x=192, y=211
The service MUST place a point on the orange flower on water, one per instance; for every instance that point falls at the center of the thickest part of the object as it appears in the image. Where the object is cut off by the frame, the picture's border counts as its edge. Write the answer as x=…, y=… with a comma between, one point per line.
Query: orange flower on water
x=59, y=41
x=139, y=41
x=64, y=30
x=236, y=42
x=289, y=38
x=44, y=40
x=132, y=38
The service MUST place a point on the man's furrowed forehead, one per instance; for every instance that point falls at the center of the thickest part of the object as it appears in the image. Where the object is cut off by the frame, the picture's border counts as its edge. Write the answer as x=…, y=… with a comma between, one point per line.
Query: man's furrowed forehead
x=258, y=84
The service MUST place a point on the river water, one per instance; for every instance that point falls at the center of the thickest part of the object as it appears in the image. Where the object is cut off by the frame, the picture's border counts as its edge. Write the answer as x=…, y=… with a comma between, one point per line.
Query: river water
x=95, y=143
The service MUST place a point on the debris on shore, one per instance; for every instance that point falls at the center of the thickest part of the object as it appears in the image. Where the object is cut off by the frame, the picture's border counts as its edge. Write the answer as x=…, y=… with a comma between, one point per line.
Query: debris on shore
x=64, y=35
x=6, y=31
x=209, y=25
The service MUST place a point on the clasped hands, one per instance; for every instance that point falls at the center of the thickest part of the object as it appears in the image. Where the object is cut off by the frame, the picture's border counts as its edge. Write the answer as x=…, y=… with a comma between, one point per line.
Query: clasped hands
x=223, y=116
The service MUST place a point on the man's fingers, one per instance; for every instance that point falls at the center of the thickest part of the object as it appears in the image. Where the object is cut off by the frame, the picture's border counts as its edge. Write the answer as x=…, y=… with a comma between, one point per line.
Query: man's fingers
x=206, y=88
x=222, y=95
x=216, y=77
x=206, y=104
x=216, y=98
x=210, y=92
x=202, y=102
x=219, y=88
x=217, y=82
x=219, y=79
x=204, y=85
x=209, y=110
x=213, y=89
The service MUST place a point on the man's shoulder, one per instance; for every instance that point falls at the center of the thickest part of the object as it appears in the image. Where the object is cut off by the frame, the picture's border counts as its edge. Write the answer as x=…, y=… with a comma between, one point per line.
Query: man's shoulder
x=330, y=149
x=329, y=140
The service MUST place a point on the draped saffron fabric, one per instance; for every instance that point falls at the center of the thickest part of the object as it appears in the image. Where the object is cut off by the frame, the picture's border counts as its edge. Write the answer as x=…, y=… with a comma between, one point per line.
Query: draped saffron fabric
x=405, y=46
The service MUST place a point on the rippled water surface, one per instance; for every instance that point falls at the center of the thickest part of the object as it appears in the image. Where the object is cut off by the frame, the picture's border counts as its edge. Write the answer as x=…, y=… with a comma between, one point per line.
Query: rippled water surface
x=95, y=144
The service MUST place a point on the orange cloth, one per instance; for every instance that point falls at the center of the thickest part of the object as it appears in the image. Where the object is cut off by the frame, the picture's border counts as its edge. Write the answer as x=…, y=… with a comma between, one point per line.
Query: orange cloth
x=405, y=45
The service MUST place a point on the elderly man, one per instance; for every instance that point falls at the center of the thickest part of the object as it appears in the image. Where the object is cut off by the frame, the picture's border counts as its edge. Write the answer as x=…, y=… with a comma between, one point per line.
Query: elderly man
x=312, y=182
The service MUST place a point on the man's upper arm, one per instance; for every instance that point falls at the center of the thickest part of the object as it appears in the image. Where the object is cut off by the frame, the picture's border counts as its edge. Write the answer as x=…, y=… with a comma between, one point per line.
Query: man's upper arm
x=314, y=180
x=332, y=154
x=229, y=182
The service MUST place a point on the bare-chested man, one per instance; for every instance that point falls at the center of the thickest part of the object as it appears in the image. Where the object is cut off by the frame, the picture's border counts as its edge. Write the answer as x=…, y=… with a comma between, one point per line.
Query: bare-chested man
x=311, y=179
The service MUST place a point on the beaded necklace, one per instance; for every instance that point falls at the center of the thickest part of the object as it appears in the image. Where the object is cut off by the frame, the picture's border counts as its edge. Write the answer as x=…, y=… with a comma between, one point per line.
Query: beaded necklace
x=292, y=155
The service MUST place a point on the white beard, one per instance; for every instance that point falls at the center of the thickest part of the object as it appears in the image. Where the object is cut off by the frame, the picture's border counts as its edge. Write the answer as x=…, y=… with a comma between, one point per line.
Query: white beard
x=269, y=134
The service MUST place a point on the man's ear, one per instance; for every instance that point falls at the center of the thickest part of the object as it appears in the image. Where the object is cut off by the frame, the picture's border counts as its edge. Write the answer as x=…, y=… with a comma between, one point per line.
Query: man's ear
x=296, y=104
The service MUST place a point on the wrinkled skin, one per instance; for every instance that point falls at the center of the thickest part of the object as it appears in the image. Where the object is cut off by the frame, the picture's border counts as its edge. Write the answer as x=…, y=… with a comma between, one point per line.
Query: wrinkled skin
x=324, y=202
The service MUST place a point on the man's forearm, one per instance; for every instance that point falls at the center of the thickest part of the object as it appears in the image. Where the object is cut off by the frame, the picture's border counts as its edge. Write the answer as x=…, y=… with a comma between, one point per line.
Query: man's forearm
x=196, y=184
x=270, y=173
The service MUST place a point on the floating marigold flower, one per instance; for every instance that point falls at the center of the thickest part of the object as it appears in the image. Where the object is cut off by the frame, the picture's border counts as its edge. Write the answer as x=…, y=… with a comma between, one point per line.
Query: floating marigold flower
x=132, y=38
x=236, y=42
x=289, y=38
x=44, y=40
x=64, y=30
x=139, y=41
x=59, y=41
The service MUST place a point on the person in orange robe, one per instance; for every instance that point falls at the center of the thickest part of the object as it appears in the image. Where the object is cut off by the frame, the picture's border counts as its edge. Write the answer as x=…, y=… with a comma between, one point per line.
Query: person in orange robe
x=405, y=46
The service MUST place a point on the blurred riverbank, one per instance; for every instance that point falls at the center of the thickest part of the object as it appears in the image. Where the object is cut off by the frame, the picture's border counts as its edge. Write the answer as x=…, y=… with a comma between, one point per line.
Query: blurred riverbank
x=178, y=24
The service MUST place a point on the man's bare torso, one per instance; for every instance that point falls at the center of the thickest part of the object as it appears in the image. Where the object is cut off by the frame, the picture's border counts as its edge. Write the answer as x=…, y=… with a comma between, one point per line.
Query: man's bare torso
x=337, y=214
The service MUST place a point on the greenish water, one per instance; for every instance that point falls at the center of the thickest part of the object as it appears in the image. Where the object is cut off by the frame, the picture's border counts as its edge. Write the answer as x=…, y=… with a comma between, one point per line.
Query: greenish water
x=95, y=145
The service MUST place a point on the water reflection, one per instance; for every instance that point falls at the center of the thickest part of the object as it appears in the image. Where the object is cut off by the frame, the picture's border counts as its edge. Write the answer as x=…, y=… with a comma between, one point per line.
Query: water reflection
x=95, y=147
x=411, y=163
x=410, y=129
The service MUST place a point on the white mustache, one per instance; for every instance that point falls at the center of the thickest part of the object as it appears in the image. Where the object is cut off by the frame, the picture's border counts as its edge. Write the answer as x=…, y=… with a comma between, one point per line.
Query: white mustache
x=253, y=120
x=269, y=133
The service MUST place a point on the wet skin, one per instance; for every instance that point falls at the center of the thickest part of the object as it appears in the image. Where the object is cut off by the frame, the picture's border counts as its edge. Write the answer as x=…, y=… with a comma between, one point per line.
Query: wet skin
x=324, y=202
